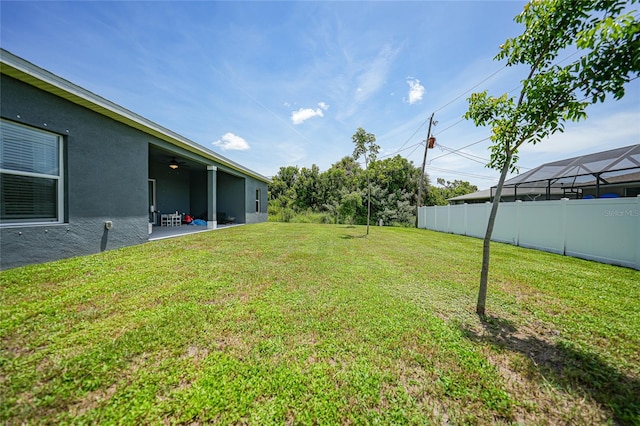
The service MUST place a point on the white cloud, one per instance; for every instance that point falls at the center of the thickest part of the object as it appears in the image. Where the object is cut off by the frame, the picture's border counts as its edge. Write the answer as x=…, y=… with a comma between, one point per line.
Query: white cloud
x=416, y=90
x=303, y=114
x=229, y=141
x=373, y=78
x=370, y=75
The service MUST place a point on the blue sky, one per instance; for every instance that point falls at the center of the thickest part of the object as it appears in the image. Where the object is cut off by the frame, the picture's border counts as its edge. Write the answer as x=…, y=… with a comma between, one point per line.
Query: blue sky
x=271, y=84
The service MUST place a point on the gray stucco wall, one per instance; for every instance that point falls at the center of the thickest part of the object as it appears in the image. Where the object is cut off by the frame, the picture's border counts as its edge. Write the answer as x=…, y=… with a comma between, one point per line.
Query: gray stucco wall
x=198, y=193
x=106, y=175
x=231, y=199
x=253, y=216
x=107, y=168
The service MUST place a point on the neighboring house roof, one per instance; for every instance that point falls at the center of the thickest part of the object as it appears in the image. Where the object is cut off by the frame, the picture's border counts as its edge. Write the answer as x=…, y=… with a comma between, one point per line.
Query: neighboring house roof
x=478, y=195
x=33, y=75
x=486, y=194
x=620, y=165
x=615, y=165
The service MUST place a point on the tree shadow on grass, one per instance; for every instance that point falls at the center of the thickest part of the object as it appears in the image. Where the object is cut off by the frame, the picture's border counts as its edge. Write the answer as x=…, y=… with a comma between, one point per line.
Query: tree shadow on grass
x=567, y=366
x=351, y=237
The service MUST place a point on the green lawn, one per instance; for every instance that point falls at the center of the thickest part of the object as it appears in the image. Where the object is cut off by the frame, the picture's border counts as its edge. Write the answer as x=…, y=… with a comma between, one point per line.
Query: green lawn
x=314, y=324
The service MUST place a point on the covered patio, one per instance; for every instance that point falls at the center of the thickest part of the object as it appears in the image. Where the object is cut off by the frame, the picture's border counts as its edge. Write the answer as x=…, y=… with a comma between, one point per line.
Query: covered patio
x=181, y=184
x=164, y=232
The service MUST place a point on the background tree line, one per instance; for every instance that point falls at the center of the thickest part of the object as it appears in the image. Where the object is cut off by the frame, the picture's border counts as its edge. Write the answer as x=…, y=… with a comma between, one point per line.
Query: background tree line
x=339, y=194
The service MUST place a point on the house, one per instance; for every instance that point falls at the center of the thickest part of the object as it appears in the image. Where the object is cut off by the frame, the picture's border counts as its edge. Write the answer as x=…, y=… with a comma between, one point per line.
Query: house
x=612, y=174
x=80, y=174
x=508, y=194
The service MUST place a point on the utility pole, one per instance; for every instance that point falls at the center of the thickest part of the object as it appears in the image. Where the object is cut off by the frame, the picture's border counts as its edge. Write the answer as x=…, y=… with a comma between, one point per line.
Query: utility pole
x=429, y=143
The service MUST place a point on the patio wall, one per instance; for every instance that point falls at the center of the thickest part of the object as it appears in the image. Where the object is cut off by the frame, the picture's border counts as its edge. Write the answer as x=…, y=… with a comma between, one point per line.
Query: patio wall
x=604, y=230
x=231, y=196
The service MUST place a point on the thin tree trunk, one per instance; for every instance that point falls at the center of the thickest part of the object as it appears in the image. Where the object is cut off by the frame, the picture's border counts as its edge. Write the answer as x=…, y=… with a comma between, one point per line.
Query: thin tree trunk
x=486, y=245
x=368, y=201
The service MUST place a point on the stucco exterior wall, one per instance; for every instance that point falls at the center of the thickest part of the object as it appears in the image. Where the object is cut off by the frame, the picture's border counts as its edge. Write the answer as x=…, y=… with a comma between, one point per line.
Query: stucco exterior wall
x=254, y=216
x=231, y=196
x=106, y=173
x=107, y=167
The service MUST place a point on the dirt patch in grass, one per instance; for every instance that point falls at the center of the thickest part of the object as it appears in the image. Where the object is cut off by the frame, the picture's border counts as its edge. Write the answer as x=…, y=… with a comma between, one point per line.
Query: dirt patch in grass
x=92, y=401
x=197, y=354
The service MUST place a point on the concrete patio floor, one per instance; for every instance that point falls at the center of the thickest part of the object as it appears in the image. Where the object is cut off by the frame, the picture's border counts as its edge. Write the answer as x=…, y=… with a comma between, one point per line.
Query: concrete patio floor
x=162, y=232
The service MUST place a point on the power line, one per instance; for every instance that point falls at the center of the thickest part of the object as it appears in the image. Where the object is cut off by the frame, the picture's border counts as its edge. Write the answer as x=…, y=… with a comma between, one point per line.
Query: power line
x=468, y=90
x=455, y=172
x=454, y=124
x=412, y=135
x=416, y=145
x=468, y=156
x=459, y=149
x=402, y=147
x=444, y=106
x=415, y=149
x=510, y=91
x=477, y=159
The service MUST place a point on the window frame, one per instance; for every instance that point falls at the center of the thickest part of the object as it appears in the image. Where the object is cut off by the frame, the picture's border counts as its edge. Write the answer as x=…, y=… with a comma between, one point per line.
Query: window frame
x=258, y=196
x=59, y=178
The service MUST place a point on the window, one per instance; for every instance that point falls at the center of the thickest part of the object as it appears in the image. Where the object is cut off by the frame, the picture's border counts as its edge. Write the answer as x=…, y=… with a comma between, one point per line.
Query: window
x=257, y=200
x=31, y=177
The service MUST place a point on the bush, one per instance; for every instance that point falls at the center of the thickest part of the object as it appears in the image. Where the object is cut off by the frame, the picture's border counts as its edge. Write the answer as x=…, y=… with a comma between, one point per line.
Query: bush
x=281, y=214
x=278, y=213
x=311, y=217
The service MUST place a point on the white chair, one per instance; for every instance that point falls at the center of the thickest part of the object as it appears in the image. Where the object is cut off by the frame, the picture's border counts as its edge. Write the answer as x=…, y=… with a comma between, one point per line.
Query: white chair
x=165, y=220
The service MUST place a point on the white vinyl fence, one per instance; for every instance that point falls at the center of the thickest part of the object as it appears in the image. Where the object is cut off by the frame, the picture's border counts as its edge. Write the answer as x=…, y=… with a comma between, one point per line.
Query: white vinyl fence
x=605, y=230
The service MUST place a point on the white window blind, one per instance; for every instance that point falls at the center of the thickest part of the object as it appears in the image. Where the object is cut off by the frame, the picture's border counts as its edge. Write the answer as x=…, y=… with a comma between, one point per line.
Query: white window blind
x=31, y=187
x=28, y=150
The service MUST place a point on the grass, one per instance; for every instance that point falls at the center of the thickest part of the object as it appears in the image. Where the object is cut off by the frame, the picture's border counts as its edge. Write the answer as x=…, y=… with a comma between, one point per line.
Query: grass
x=313, y=324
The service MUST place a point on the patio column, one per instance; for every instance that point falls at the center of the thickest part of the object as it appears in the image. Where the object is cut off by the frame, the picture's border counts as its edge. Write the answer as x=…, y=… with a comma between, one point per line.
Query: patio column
x=212, y=183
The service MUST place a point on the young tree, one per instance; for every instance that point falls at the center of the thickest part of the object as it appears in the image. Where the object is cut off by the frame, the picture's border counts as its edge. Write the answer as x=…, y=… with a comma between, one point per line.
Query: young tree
x=606, y=38
x=366, y=147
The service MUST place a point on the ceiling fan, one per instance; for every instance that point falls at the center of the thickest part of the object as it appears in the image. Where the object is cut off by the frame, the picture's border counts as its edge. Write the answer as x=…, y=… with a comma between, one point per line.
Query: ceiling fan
x=174, y=163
